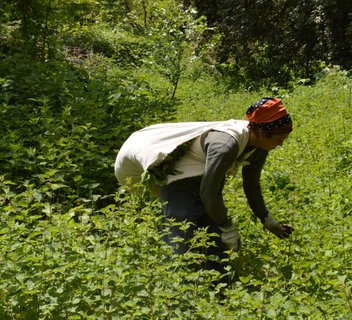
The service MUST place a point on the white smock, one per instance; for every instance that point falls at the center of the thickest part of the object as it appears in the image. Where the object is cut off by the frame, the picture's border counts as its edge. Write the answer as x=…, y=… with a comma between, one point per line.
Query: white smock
x=148, y=147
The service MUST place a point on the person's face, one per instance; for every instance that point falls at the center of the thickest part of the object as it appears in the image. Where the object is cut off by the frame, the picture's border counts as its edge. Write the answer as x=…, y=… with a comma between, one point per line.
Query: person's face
x=271, y=143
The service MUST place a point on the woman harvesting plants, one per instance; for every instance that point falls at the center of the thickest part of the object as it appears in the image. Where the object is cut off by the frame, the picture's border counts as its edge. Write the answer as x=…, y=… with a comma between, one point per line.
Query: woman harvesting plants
x=189, y=162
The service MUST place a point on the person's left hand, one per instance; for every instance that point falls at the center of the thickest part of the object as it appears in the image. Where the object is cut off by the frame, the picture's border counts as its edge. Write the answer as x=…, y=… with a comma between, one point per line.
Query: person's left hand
x=231, y=237
x=277, y=228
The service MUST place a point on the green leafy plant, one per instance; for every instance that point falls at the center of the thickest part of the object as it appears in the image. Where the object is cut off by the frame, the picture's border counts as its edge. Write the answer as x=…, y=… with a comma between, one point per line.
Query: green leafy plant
x=76, y=245
x=173, y=33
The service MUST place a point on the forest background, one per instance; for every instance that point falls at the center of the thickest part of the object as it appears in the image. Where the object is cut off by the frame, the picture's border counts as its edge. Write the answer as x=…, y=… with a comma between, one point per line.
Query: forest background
x=77, y=77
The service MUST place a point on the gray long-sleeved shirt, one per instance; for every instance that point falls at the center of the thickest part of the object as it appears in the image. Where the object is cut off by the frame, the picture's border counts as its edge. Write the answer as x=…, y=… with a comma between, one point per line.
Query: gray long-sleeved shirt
x=221, y=150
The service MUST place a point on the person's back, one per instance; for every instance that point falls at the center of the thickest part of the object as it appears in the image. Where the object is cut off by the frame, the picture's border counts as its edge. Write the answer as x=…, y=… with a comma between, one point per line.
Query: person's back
x=190, y=162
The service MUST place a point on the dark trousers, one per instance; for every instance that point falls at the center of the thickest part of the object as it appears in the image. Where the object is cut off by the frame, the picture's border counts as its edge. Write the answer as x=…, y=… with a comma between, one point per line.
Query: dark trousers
x=181, y=202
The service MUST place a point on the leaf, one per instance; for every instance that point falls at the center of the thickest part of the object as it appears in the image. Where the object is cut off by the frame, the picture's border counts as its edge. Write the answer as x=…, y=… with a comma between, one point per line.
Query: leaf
x=287, y=271
x=4, y=231
x=56, y=186
x=106, y=292
x=342, y=279
x=34, y=234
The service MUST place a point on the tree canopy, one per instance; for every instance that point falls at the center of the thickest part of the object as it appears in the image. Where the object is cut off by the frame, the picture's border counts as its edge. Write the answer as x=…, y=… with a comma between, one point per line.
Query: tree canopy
x=263, y=40
x=281, y=39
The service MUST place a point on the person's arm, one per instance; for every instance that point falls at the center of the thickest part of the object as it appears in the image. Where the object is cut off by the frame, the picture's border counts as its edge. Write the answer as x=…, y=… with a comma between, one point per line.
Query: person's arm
x=251, y=183
x=221, y=150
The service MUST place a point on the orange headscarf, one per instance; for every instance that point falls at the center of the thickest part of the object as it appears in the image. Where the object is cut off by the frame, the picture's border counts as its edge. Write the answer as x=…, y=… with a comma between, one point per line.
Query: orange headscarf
x=269, y=114
x=266, y=110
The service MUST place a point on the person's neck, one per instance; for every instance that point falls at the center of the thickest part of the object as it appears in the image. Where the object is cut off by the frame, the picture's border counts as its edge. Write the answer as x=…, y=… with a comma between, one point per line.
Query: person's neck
x=252, y=139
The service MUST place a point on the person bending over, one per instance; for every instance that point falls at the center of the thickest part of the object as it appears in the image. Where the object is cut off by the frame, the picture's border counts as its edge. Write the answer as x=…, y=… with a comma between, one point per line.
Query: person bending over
x=189, y=161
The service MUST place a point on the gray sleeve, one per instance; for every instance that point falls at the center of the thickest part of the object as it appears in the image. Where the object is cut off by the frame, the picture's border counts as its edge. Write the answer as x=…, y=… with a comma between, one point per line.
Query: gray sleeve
x=221, y=150
x=251, y=183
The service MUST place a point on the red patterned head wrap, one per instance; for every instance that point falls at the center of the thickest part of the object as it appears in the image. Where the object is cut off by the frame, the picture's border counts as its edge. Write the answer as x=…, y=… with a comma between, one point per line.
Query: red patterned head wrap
x=270, y=115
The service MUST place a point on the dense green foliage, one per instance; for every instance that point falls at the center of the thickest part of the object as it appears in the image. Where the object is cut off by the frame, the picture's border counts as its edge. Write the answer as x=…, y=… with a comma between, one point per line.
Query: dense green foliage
x=269, y=41
x=67, y=256
x=274, y=40
x=76, y=78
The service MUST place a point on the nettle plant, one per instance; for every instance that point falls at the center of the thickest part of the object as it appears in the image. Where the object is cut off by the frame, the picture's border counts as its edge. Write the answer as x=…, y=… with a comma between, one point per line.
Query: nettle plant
x=305, y=183
x=109, y=263
x=72, y=248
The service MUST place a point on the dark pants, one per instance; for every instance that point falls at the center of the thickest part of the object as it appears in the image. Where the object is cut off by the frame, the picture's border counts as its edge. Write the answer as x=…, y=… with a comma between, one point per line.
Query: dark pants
x=181, y=202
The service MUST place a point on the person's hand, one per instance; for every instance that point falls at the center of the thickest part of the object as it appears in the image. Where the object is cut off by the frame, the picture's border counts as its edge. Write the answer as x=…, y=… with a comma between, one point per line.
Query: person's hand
x=230, y=237
x=277, y=228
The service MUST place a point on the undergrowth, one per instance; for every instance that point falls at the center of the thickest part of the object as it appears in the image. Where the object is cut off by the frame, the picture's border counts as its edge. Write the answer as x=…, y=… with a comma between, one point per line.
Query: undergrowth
x=75, y=245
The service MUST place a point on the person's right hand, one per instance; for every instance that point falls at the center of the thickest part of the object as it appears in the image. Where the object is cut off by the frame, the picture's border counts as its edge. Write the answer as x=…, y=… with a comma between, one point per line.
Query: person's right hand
x=277, y=228
x=231, y=237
